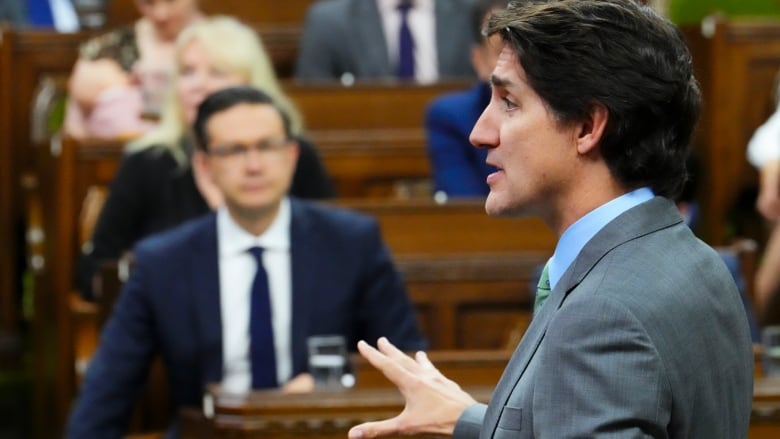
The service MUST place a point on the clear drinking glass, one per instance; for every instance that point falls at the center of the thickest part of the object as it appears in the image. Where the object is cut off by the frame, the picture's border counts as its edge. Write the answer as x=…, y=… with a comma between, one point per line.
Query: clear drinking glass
x=329, y=362
x=770, y=341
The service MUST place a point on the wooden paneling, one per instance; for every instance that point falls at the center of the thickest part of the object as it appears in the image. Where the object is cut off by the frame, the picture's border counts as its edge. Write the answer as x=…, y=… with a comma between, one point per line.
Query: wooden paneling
x=8, y=279
x=736, y=62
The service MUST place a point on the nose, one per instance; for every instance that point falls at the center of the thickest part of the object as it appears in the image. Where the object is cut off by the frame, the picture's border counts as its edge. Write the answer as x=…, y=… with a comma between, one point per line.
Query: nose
x=485, y=133
x=253, y=160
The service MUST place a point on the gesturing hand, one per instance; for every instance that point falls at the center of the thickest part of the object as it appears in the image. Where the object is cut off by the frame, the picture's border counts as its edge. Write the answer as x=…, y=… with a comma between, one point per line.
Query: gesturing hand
x=433, y=402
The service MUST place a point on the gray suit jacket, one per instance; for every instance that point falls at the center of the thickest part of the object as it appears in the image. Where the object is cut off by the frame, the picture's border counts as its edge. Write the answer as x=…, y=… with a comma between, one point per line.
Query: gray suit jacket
x=644, y=336
x=13, y=12
x=346, y=36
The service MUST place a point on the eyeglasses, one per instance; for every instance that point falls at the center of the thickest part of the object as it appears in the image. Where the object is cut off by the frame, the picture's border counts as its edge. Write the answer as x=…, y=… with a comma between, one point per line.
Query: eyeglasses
x=264, y=147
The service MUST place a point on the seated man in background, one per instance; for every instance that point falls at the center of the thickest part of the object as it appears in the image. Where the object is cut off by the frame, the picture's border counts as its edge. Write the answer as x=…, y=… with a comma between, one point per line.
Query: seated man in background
x=158, y=185
x=459, y=169
x=411, y=40
x=231, y=297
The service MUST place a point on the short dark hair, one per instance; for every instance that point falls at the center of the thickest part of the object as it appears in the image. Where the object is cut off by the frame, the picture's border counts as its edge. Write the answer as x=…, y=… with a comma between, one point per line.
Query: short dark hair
x=479, y=12
x=227, y=98
x=624, y=56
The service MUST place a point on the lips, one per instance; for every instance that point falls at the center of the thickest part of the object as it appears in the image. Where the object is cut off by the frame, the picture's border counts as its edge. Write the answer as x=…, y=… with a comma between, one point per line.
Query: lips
x=493, y=177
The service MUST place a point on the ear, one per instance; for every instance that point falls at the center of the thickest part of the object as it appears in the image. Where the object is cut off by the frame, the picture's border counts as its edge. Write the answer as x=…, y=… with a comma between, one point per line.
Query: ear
x=200, y=165
x=592, y=129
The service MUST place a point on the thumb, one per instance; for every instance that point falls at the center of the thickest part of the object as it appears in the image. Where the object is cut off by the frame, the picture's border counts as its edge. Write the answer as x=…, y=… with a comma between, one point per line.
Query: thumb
x=374, y=429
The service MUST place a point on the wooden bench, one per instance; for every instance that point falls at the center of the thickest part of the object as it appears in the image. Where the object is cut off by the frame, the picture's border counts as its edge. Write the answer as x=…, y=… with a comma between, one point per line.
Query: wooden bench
x=458, y=226
x=370, y=136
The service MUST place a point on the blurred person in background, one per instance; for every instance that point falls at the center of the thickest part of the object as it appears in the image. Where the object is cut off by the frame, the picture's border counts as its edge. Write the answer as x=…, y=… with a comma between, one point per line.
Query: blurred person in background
x=763, y=152
x=459, y=169
x=117, y=84
x=158, y=185
x=232, y=297
x=12, y=12
x=408, y=40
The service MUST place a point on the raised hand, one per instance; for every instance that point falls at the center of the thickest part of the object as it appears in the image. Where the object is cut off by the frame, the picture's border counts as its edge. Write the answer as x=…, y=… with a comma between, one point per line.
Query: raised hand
x=433, y=402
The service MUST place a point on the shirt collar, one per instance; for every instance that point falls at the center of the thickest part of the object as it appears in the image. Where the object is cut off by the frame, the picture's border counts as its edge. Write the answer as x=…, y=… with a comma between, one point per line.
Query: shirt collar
x=578, y=234
x=391, y=6
x=232, y=239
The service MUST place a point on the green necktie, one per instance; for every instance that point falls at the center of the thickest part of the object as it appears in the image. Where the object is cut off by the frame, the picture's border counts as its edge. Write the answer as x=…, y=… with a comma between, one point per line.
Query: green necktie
x=542, y=288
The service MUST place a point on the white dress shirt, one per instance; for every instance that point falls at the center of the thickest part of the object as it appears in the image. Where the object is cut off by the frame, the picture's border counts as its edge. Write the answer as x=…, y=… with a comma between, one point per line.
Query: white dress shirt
x=764, y=146
x=236, y=272
x=64, y=15
x=422, y=24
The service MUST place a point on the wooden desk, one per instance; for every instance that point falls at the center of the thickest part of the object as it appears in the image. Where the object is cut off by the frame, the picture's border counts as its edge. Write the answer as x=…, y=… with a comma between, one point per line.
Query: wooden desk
x=330, y=415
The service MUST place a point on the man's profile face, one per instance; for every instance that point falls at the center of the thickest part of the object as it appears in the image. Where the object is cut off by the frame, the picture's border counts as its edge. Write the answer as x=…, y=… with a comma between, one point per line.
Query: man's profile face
x=533, y=152
x=250, y=159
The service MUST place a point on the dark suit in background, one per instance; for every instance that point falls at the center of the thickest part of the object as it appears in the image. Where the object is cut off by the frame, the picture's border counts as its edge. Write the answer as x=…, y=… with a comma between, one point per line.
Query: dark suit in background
x=346, y=36
x=13, y=12
x=458, y=168
x=152, y=192
x=343, y=282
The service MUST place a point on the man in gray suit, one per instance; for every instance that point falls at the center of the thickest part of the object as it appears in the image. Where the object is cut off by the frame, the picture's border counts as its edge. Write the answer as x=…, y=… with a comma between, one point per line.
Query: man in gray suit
x=357, y=40
x=12, y=12
x=643, y=334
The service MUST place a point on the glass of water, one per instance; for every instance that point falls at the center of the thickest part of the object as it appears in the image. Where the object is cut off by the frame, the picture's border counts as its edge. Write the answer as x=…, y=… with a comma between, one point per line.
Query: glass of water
x=329, y=362
x=770, y=342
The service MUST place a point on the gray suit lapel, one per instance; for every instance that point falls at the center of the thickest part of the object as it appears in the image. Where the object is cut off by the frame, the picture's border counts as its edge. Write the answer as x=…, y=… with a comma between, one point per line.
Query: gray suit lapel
x=370, y=44
x=651, y=216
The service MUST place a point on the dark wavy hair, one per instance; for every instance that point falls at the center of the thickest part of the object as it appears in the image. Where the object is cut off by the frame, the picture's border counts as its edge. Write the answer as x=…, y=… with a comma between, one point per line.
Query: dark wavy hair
x=227, y=98
x=624, y=56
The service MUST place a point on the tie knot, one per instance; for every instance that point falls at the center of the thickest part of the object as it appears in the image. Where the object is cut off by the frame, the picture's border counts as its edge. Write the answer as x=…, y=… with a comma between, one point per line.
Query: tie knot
x=257, y=252
x=404, y=6
x=544, y=279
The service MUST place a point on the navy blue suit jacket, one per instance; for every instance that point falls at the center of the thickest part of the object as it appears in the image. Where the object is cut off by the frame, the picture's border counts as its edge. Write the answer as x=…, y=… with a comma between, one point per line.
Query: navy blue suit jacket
x=343, y=282
x=459, y=169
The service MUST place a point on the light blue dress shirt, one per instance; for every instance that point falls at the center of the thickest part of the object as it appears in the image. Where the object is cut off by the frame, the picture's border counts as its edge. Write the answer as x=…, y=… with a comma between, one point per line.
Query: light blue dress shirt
x=578, y=234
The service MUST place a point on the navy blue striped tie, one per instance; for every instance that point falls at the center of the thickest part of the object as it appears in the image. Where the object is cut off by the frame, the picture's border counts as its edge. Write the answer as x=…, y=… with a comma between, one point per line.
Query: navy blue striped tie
x=405, y=43
x=261, y=335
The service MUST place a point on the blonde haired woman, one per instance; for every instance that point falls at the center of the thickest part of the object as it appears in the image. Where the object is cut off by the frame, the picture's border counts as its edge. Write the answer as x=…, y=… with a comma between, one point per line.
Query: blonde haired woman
x=156, y=186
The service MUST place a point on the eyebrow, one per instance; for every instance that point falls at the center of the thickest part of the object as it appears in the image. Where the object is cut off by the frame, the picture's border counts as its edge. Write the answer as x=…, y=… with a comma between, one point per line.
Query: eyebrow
x=499, y=82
